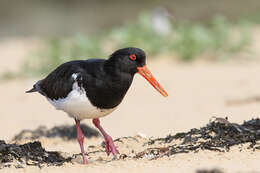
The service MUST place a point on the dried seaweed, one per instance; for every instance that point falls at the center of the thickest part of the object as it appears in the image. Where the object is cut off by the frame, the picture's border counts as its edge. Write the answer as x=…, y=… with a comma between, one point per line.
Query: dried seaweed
x=209, y=171
x=31, y=153
x=218, y=135
x=65, y=132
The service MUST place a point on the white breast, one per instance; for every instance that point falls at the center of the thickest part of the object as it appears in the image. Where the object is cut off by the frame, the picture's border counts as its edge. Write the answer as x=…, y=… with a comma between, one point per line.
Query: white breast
x=77, y=105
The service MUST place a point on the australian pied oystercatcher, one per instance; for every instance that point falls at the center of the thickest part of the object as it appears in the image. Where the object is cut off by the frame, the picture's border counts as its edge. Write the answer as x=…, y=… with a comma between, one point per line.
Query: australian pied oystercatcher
x=90, y=89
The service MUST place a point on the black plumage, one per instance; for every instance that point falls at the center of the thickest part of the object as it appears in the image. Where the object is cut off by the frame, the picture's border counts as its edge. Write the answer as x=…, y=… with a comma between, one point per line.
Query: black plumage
x=105, y=81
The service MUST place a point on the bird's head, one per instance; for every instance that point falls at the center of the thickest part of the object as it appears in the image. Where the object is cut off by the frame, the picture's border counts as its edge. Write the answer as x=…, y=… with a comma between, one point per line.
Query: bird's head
x=133, y=60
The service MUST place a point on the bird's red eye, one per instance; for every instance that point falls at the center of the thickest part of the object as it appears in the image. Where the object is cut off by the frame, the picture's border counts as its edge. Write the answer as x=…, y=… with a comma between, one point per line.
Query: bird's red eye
x=132, y=57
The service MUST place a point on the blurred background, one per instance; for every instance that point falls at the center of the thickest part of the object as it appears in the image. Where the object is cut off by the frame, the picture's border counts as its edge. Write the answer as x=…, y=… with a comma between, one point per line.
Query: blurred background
x=205, y=53
x=49, y=18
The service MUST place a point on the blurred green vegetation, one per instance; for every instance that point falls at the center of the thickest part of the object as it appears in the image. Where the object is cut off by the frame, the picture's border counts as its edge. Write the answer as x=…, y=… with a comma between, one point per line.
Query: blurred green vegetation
x=185, y=41
x=58, y=51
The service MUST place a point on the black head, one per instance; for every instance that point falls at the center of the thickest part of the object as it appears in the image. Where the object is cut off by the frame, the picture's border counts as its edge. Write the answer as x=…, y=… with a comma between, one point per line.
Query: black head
x=128, y=59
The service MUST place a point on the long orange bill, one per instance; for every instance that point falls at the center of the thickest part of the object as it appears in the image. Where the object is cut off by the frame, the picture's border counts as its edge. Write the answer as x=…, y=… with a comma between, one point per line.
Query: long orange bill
x=149, y=77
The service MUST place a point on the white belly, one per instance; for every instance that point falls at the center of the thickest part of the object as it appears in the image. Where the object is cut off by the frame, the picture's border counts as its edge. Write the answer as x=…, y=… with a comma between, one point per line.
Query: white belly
x=77, y=105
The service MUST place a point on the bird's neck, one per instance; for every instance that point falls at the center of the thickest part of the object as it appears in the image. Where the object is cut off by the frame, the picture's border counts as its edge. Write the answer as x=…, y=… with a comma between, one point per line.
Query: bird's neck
x=121, y=80
x=114, y=86
x=115, y=69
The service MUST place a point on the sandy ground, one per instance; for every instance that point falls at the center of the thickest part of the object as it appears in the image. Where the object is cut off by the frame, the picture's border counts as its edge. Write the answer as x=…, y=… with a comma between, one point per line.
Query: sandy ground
x=196, y=91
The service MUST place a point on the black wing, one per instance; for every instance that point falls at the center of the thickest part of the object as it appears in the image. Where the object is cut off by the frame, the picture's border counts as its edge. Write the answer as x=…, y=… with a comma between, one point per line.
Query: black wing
x=58, y=84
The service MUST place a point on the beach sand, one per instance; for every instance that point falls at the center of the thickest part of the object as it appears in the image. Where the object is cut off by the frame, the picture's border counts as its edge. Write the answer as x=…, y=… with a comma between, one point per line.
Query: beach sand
x=197, y=91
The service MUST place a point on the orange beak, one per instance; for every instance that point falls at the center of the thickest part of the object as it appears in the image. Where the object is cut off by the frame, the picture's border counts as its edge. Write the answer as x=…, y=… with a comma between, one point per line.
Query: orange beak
x=149, y=77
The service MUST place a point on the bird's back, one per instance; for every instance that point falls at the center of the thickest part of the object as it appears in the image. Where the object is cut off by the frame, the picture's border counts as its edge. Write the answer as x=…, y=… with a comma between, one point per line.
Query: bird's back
x=102, y=89
x=59, y=82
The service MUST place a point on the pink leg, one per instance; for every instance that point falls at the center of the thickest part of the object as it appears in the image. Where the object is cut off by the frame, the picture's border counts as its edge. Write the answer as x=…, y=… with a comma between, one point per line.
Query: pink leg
x=110, y=147
x=81, y=140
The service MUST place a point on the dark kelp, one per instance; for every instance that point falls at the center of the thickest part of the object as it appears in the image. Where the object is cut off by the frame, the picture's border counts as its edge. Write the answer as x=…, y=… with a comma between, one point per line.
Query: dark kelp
x=30, y=153
x=209, y=171
x=218, y=135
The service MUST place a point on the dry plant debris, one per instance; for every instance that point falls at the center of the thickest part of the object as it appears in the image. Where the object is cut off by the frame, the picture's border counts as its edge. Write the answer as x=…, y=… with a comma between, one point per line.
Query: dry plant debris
x=30, y=153
x=218, y=135
x=209, y=171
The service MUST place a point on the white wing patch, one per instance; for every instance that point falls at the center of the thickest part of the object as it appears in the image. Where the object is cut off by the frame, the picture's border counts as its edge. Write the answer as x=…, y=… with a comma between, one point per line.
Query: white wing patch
x=77, y=105
x=74, y=76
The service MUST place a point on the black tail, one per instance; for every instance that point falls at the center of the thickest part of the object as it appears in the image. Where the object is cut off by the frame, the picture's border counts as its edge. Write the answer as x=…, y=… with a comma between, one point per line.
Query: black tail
x=36, y=88
x=31, y=90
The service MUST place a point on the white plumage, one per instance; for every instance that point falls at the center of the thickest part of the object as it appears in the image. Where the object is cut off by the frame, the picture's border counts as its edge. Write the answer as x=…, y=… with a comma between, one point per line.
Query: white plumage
x=77, y=105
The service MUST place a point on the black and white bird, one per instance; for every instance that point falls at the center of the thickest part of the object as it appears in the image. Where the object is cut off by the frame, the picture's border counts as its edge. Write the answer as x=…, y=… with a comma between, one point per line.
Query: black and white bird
x=90, y=89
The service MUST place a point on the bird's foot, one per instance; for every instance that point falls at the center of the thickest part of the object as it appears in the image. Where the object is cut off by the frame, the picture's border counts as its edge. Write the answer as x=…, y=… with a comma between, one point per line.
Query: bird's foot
x=80, y=137
x=85, y=162
x=110, y=146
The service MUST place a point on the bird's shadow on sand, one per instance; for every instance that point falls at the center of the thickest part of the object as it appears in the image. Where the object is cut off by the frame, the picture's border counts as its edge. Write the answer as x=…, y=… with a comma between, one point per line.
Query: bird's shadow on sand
x=66, y=132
